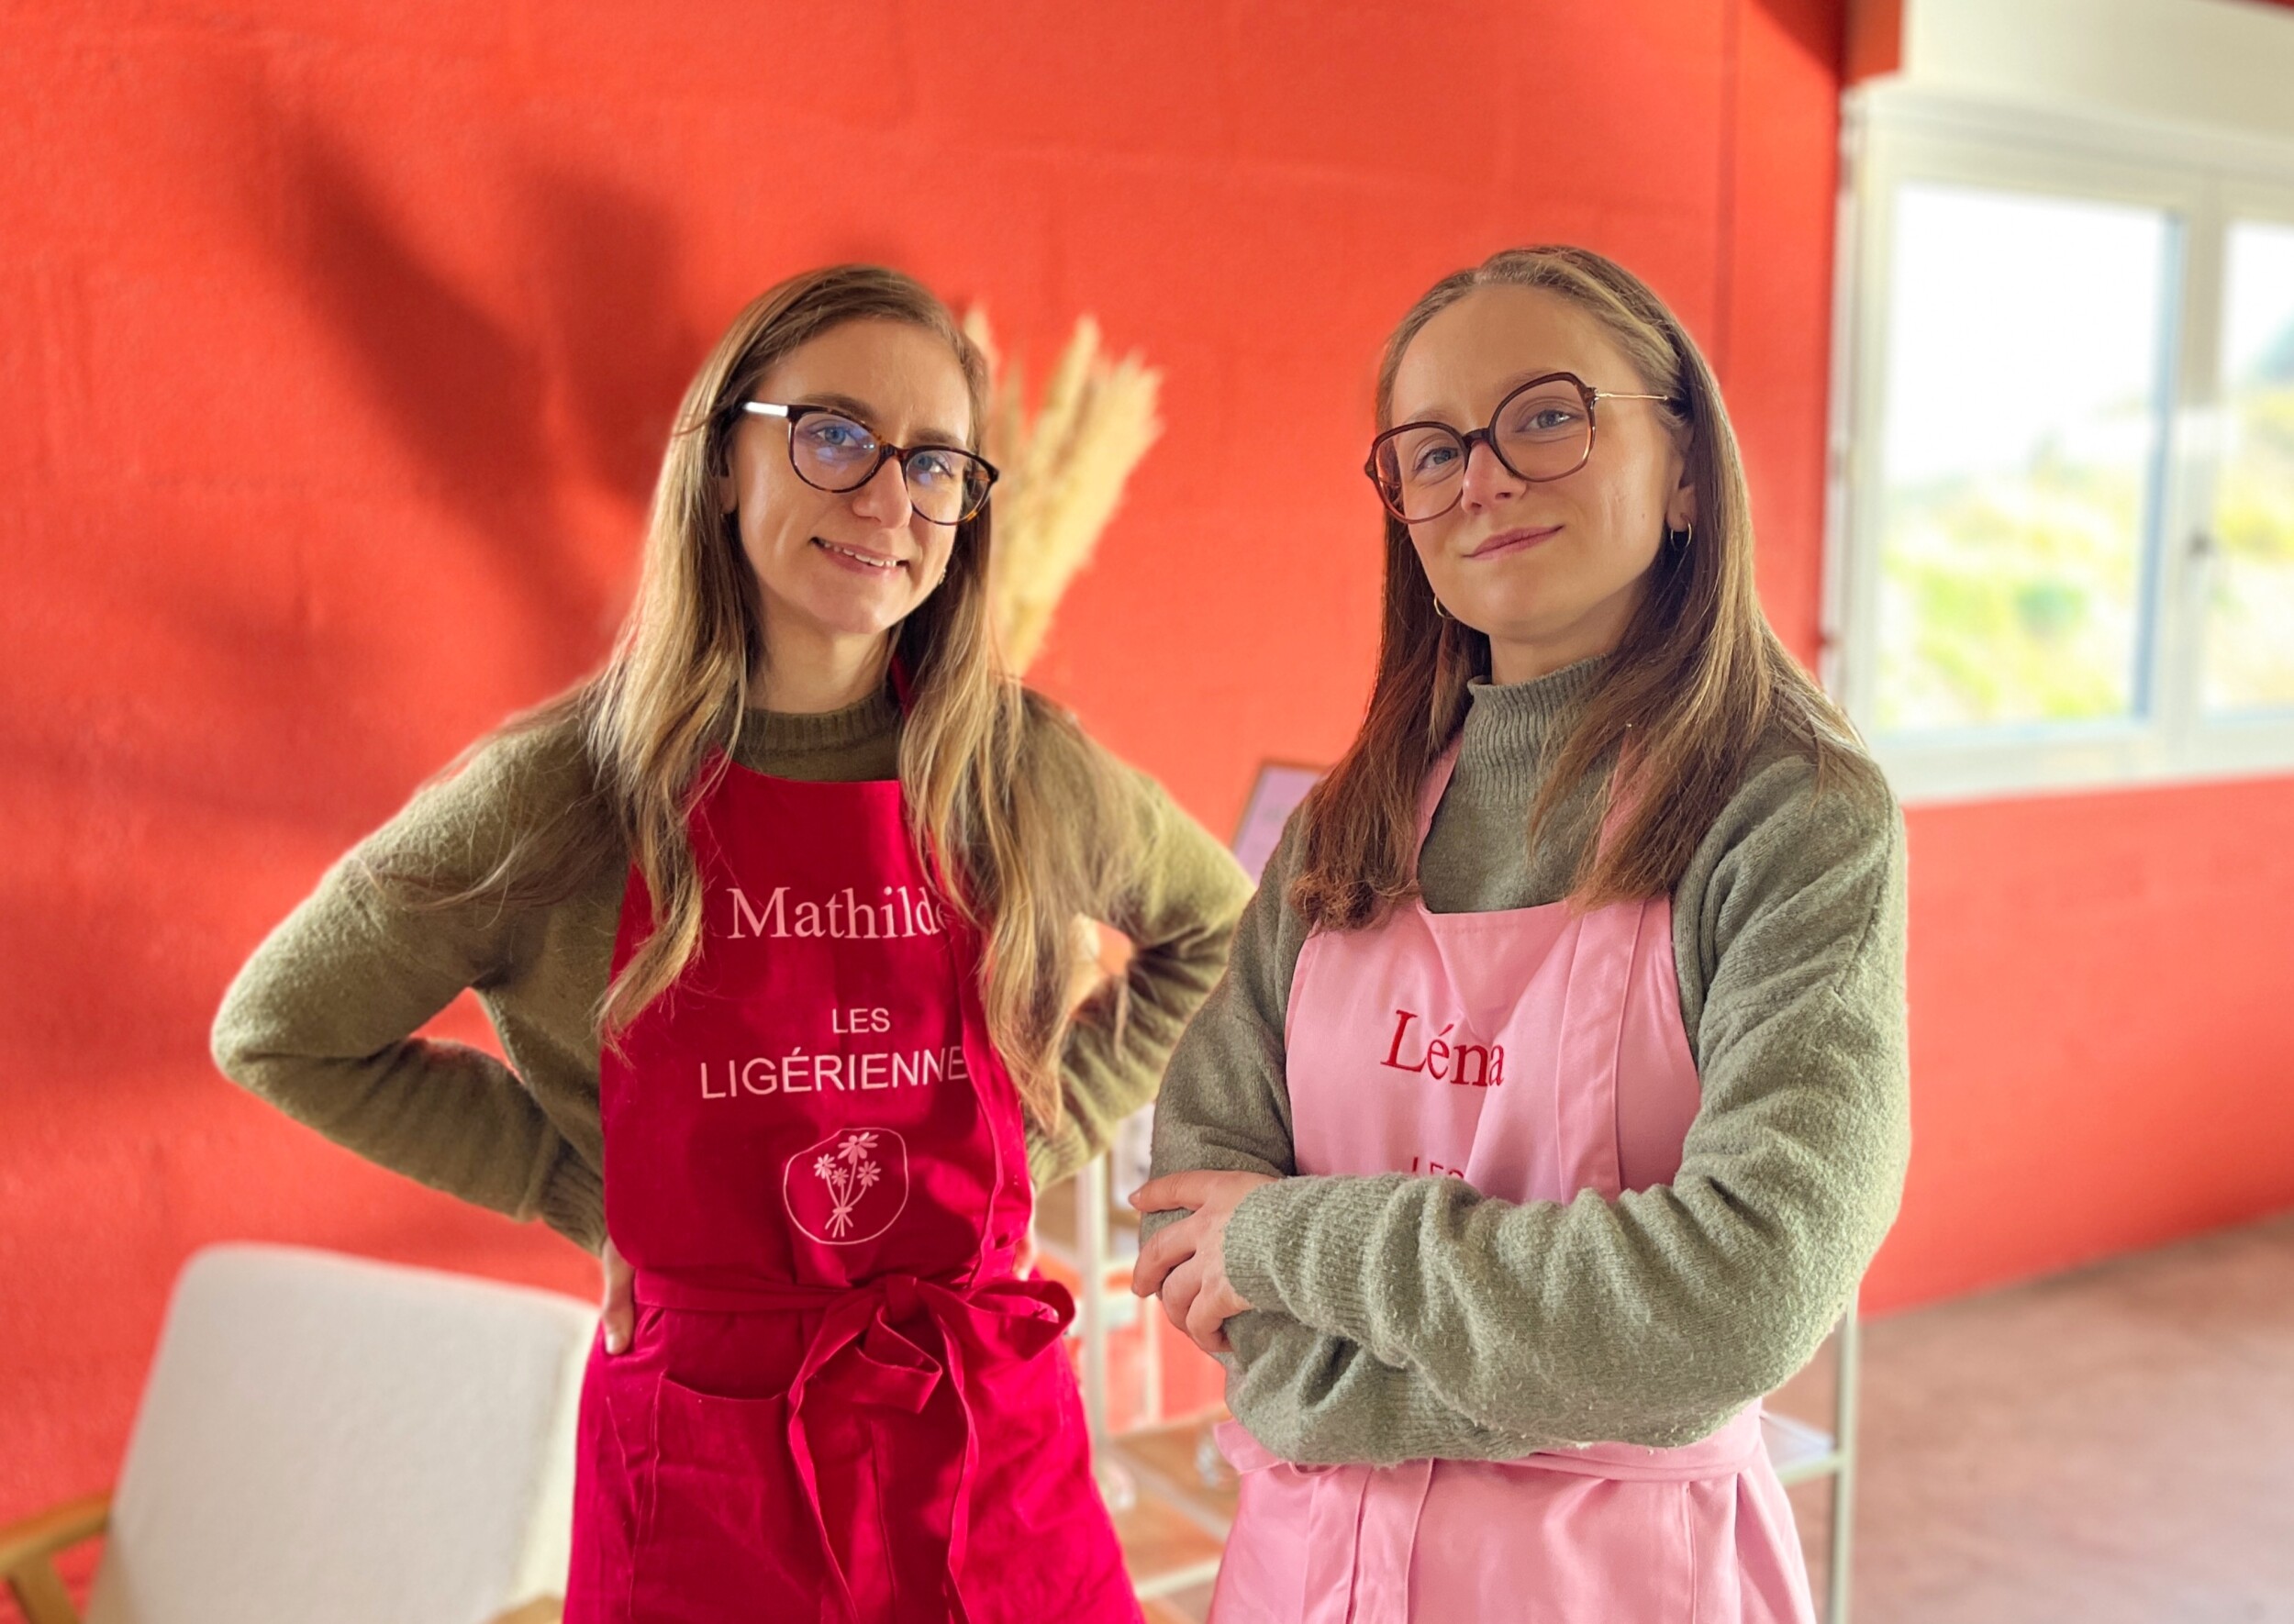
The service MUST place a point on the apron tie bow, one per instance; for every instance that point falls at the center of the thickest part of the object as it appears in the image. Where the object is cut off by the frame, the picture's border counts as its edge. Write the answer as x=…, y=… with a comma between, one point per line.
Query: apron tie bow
x=863, y=1352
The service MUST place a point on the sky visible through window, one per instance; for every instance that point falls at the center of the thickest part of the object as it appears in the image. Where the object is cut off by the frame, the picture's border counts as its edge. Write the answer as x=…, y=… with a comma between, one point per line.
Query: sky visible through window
x=2023, y=407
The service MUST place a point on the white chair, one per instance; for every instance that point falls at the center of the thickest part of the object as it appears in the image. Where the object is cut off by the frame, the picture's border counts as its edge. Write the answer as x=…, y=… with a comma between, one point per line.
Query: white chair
x=325, y=1438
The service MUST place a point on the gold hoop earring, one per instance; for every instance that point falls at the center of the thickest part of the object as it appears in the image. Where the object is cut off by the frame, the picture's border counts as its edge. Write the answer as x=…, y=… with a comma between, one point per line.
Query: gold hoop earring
x=1681, y=538
x=1443, y=612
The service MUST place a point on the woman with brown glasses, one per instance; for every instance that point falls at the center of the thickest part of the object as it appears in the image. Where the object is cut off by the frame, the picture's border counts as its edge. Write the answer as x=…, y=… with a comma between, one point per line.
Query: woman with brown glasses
x=776, y=920
x=1556, y=1096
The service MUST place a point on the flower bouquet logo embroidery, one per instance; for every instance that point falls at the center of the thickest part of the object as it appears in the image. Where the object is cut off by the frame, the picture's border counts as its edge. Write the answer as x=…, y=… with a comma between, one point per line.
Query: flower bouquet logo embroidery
x=849, y=1187
x=849, y=1174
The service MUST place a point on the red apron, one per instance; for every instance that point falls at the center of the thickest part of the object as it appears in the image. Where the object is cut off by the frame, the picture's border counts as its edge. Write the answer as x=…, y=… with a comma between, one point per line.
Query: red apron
x=840, y=1403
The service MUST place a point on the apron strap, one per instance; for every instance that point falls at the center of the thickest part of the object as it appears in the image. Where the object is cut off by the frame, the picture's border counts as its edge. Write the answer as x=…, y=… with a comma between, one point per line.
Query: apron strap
x=1430, y=795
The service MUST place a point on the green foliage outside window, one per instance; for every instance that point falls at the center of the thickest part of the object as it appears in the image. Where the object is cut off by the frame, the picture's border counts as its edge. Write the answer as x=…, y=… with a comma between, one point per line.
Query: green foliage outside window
x=2009, y=598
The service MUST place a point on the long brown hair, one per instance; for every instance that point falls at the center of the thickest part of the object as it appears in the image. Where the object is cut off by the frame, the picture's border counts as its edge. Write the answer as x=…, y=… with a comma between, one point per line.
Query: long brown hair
x=1700, y=679
x=1026, y=817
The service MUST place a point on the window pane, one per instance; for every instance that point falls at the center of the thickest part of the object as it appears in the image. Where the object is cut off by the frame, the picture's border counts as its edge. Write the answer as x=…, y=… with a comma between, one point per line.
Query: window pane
x=2025, y=382
x=2249, y=611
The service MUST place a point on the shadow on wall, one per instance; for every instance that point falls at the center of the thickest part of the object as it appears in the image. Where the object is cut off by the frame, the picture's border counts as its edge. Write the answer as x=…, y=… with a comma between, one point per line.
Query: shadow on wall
x=1811, y=24
x=519, y=411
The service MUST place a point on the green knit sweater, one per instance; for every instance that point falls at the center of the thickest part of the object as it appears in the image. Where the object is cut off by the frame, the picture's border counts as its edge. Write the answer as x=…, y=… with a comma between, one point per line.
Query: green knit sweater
x=320, y=1021
x=1403, y=1317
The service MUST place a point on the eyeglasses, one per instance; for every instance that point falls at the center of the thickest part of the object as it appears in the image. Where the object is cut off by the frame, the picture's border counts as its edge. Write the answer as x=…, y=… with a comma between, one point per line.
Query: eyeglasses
x=832, y=451
x=1541, y=430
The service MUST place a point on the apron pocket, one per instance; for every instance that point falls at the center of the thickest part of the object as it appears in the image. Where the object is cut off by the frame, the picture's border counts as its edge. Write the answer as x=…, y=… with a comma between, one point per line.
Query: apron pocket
x=724, y=1520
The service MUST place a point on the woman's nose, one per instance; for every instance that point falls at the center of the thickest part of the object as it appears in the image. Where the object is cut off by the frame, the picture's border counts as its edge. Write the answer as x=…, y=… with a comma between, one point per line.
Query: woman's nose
x=1487, y=479
x=883, y=498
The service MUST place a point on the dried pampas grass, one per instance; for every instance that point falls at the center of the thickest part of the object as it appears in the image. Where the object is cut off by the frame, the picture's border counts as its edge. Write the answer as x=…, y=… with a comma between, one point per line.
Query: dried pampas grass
x=1063, y=472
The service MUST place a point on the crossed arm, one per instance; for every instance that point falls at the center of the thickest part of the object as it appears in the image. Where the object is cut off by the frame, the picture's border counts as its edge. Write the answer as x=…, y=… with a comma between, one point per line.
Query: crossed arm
x=1452, y=1319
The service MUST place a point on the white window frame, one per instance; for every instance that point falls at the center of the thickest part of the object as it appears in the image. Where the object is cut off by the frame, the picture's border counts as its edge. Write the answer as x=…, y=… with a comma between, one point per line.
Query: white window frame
x=1893, y=133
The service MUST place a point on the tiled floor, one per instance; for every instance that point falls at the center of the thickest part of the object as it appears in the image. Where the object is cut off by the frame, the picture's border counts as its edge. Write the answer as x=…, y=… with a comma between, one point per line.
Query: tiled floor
x=2112, y=1446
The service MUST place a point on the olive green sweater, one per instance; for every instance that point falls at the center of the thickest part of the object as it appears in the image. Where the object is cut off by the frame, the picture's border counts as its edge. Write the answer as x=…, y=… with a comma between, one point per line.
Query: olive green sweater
x=1401, y=1317
x=320, y=1021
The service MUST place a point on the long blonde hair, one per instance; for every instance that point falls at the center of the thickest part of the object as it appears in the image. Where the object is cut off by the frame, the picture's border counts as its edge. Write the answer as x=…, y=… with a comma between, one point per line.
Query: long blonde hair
x=1024, y=817
x=1699, y=678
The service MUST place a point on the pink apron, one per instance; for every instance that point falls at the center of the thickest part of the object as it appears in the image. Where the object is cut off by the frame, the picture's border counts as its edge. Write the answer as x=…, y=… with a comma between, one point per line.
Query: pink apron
x=839, y=1404
x=1535, y=1053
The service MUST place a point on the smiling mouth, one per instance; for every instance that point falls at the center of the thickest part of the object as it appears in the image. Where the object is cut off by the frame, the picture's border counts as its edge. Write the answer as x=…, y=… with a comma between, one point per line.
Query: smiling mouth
x=1514, y=541
x=873, y=560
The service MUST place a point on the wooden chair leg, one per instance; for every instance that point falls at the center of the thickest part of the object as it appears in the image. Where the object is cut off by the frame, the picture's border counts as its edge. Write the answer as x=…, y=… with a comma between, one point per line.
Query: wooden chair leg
x=40, y=1592
x=28, y=1554
x=542, y=1609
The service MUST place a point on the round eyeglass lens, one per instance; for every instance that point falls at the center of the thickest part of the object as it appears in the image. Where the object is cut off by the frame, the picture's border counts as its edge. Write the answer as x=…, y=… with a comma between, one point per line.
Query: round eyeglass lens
x=1545, y=431
x=833, y=452
x=945, y=485
x=1419, y=470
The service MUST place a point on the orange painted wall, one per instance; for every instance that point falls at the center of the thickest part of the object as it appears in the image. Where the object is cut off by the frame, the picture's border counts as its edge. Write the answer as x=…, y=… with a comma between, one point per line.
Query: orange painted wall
x=340, y=344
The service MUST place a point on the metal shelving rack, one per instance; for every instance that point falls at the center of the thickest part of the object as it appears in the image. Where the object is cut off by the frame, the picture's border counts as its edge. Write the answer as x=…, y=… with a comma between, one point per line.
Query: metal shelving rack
x=1172, y=1493
x=1803, y=1452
